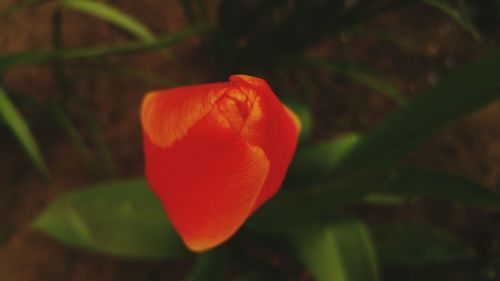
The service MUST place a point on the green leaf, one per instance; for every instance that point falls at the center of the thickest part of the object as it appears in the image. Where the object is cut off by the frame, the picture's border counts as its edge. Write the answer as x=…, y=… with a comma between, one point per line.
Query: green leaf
x=121, y=218
x=383, y=199
x=361, y=75
x=440, y=185
x=460, y=16
x=210, y=266
x=74, y=136
x=112, y=15
x=465, y=90
x=314, y=163
x=39, y=57
x=342, y=251
x=19, y=127
x=411, y=244
x=98, y=69
x=97, y=135
x=290, y=208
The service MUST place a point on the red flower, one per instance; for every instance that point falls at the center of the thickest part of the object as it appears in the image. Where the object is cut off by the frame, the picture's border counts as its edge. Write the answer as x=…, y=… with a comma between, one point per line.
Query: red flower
x=215, y=153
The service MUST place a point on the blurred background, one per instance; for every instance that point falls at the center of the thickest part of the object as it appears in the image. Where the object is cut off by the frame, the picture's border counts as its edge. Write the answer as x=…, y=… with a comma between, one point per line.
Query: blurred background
x=73, y=73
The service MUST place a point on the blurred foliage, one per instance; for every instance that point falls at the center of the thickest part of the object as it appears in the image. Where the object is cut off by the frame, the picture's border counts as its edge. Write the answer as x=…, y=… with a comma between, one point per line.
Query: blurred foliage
x=18, y=125
x=328, y=177
x=406, y=245
x=337, y=251
x=120, y=217
x=212, y=265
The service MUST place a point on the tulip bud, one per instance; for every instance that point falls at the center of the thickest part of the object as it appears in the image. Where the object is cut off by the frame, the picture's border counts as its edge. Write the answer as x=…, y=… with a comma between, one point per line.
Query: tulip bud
x=216, y=152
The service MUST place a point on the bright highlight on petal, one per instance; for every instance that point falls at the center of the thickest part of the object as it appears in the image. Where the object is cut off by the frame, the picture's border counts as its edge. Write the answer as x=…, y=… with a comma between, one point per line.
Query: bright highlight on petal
x=167, y=115
x=215, y=153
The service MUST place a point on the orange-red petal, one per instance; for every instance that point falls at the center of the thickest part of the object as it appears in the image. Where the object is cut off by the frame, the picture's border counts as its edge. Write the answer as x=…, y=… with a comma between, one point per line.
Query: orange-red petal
x=208, y=185
x=278, y=132
x=215, y=153
x=167, y=116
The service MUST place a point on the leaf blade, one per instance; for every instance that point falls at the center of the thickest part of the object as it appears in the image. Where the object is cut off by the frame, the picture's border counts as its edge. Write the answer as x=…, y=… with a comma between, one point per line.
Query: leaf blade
x=342, y=251
x=361, y=75
x=414, y=244
x=40, y=57
x=20, y=128
x=464, y=91
x=112, y=15
x=440, y=185
x=121, y=218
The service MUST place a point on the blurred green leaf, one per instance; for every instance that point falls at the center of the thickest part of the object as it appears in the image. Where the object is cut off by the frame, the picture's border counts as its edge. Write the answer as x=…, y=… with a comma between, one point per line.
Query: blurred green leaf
x=411, y=244
x=112, y=15
x=38, y=57
x=129, y=72
x=361, y=75
x=312, y=203
x=363, y=11
x=19, y=127
x=73, y=135
x=211, y=266
x=383, y=199
x=465, y=90
x=390, y=37
x=459, y=15
x=97, y=134
x=63, y=90
x=121, y=218
x=440, y=185
x=342, y=251
x=314, y=163
x=305, y=116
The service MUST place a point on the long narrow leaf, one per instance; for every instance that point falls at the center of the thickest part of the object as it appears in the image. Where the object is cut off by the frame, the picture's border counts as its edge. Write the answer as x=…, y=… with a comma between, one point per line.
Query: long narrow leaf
x=112, y=15
x=459, y=16
x=19, y=127
x=122, y=70
x=74, y=136
x=440, y=185
x=471, y=87
x=98, y=137
x=361, y=75
x=39, y=57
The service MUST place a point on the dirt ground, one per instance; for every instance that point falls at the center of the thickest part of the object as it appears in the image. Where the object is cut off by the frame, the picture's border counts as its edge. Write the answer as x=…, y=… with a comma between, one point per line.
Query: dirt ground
x=470, y=146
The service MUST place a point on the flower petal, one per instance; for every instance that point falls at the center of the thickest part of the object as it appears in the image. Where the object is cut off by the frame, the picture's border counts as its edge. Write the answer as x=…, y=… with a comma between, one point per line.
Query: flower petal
x=294, y=117
x=167, y=115
x=215, y=153
x=208, y=182
x=276, y=131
